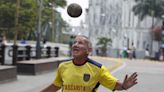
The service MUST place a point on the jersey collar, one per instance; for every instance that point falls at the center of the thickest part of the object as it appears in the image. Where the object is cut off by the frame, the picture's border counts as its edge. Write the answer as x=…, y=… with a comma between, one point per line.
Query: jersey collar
x=80, y=64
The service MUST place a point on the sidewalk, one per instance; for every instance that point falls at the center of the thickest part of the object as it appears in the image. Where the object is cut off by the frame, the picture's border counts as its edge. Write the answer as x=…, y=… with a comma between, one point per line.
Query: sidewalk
x=27, y=83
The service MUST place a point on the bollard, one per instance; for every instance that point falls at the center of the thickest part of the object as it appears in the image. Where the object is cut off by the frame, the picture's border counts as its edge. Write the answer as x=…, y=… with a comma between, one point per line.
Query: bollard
x=48, y=52
x=2, y=54
x=15, y=54
x=56, y=51
x=41, y=53
x=28, y=52
x=19, y=53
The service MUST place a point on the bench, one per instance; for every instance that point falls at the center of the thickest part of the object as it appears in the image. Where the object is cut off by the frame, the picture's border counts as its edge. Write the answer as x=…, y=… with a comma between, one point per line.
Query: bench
x=34, y=67
x=7, y=73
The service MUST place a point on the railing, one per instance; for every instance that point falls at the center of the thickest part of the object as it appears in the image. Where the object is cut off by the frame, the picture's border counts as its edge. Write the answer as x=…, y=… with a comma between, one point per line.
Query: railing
x=2, y=54
x=20, y=53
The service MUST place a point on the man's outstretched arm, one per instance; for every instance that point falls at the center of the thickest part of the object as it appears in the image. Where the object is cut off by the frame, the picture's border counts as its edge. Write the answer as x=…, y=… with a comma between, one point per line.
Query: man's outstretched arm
x=127, y=83
x=51, y=88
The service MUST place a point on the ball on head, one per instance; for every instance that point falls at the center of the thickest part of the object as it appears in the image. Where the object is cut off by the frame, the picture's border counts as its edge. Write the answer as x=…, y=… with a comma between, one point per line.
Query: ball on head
x=74, y=10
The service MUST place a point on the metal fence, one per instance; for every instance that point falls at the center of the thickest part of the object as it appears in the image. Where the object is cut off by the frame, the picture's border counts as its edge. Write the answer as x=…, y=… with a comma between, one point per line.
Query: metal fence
x=20, y=53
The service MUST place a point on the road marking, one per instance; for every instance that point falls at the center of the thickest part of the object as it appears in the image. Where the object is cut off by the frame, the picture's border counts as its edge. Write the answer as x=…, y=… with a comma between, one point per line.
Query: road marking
x=115, y=66
x=118, y=68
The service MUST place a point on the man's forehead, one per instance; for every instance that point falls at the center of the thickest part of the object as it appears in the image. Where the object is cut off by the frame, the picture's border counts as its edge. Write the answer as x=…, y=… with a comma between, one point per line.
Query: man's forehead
x=81, y=38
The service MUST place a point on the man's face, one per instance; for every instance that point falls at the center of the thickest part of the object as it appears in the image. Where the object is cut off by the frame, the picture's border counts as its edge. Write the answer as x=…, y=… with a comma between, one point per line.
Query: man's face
x=80, y=47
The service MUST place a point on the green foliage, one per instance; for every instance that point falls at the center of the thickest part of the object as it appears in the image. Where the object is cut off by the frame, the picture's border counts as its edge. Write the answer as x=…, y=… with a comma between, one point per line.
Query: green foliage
x=28, y=16
x=61, y=3
x=154, y=8
x=47, y=11
x=145, y=8
x=58, y=3
x=103, y=42
x=47, y=16
x=7, y=10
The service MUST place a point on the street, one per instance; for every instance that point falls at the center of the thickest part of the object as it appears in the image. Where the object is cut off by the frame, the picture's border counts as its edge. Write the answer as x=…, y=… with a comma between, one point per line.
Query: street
x=28, y=83
x=150, y=77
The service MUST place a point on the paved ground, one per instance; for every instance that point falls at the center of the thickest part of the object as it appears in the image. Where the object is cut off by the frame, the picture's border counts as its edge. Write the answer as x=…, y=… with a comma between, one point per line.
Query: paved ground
x=150, y=75
x=26, y=83
x=150, y=79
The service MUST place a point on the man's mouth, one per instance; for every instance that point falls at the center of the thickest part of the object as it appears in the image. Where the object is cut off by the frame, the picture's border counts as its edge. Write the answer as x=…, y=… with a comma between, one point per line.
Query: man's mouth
x=75, y=49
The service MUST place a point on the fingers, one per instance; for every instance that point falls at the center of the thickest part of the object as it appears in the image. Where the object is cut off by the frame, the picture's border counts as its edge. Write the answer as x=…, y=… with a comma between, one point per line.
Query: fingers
x=133, y=76
x=135, y=81
x=130, y=81
x=126, y=77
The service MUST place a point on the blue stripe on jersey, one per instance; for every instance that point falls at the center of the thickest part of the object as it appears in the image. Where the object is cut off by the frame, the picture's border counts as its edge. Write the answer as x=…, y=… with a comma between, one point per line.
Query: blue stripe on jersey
x=97, y=85
x=94, y=63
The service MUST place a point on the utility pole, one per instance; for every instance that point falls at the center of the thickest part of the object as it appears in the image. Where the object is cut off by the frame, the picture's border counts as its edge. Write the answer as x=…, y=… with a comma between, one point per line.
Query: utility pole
x=53, y=21
x=152, y=26
x=16, y=21
x=14, y=58
x=38, y=47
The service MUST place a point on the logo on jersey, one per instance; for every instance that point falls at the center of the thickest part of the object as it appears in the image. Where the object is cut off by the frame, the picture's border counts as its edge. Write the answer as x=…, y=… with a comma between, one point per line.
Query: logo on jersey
x=86, y=77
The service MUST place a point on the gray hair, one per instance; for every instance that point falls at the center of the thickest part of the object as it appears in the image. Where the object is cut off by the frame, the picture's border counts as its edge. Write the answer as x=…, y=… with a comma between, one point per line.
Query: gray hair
x=87, y=39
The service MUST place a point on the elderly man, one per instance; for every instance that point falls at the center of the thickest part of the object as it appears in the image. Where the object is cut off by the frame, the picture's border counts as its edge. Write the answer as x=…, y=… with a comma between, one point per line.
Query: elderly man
x=82, y=74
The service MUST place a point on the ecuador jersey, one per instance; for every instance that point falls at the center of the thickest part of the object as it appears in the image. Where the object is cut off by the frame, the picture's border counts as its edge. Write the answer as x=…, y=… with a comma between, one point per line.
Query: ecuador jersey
x=83, y=78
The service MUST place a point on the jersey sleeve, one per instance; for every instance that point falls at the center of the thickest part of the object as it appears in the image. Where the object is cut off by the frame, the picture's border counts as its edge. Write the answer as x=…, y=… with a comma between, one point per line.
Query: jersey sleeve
x=106, y=79
x=58, y=80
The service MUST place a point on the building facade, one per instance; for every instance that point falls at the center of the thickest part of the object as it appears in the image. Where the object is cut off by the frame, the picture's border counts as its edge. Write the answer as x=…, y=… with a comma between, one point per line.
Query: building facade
x=115, y=19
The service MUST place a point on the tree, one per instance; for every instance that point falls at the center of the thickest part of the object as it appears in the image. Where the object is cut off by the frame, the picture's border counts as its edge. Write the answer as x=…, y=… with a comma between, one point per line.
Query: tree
x=103, y=42
x=153, y=8
x=47, y=8
x=27, y=16
x=6, y=15
x=143, y=8
x=53, y=4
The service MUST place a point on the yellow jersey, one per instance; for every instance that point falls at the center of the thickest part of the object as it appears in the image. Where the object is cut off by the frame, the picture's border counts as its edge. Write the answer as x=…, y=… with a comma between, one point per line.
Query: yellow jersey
x=83, y=78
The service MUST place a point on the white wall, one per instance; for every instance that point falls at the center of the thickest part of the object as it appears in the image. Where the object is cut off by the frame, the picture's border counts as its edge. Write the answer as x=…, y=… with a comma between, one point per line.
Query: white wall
x=118, y=15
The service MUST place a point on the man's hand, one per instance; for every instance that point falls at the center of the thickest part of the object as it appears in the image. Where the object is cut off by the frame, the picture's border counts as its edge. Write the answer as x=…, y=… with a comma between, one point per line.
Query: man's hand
x=129, y=81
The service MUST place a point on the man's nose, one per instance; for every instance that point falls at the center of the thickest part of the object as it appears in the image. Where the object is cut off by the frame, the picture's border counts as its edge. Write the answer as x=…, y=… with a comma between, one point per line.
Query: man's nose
x=75, y=44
